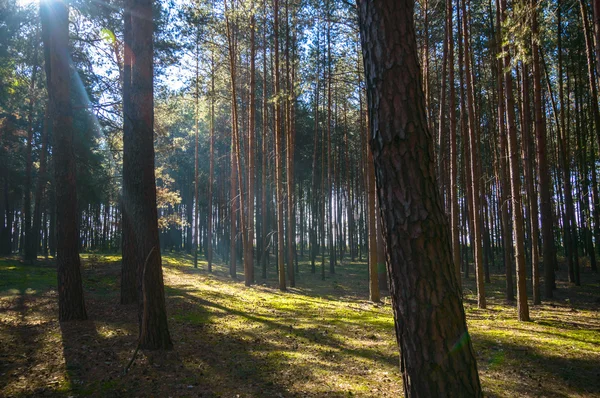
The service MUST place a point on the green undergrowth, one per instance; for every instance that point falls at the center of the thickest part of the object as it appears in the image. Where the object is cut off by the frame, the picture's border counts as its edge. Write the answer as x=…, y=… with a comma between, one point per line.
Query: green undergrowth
x=321, y=338
x=18, y=279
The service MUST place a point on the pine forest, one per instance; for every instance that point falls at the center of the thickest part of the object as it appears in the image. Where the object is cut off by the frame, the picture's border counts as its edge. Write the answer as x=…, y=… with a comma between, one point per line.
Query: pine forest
x=299, y=198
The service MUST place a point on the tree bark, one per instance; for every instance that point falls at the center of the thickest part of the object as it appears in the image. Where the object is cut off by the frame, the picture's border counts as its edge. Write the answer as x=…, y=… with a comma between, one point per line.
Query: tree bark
x=55, y=21
x=473, y=144
x=265, y=113
x=40, y=187
x=211, y=173
x=503, y=171
x=437, y=357
x=289, y=141
x=454, y=208
x=543, y=170
x=515, y=186
x=527, y=153
x=129, y=289
x=249, y=259
x=374, y=295
x=278, y=153
x=196, y=135
x=31, y=235
x=139, y=183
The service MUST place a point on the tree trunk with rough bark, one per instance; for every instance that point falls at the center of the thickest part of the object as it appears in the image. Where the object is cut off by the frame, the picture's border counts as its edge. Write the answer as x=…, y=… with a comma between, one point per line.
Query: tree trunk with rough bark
x=278, y=154
x=474, y=171
x=129, y=289
x=139, y=183
x=515, y=186
x=437, y=357
x=55, y=21
x=543, y=170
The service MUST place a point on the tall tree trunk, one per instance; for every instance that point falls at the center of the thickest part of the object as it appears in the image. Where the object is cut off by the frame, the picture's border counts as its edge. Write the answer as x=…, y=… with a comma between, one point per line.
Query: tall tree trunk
x=442, y=114
x=569, y=219
x=473, y=143
x=249, y=250
x=196, y=135
x=373, y=278
x=454, y=208
x=211, y=173
x=129, y=263
x=543, y=170
x=314, y=245
x=139, y=183
x=31, y=235
x=233, y=211
x=265, y=113
x=289, y=134
x=278, y=153
x=329, y=186
x=415, y=228
x=55, y=21
x=527, y=152
x=515, y=186
x=503, y=170
x=235, y=142
x=40, y=187
x=466, y=152
x=589, y=51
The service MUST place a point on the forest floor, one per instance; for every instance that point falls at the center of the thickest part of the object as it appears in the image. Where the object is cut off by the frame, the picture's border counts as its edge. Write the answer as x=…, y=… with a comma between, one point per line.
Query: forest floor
x=320, y=339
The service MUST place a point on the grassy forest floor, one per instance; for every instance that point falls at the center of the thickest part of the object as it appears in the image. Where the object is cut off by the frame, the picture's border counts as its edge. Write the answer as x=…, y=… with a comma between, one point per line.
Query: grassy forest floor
x=321, y=339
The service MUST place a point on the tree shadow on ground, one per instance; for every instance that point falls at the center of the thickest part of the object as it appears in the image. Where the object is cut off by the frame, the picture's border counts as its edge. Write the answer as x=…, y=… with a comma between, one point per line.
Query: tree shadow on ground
x=300, y=331
x=205, y=362
x=20, y=340
x=524, y=370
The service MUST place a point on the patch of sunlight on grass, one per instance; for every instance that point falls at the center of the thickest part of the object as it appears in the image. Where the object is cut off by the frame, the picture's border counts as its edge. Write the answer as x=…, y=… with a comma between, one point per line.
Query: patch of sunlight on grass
x=64, y=386
x=25, y=279
x=323, y=338
x=556, y=354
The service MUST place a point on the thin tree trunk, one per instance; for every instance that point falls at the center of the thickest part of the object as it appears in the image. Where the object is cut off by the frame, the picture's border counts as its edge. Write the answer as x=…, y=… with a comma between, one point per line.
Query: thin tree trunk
x=527, y=152
x=329, y=186
x=289, y=141
x=543, y=170
x=197, y=133
x=454, y=208
x=569, y=219
x=517, y=209
x=31, y=235
x=590, y=65
x=40, y=187
x=249, y=250
x=211, y=175
x=265, y=219
x=374, y=295
x=475, y=191
x=278, y=153
x=129, y=289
